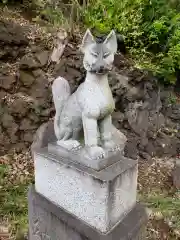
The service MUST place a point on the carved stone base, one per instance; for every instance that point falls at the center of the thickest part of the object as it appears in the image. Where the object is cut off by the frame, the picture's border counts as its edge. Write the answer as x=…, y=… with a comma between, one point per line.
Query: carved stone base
x=99, y=198
x=81, y=155
x=49, y=222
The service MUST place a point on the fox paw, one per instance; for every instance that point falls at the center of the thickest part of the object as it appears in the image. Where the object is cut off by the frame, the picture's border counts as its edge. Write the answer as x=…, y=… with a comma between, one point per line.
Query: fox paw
x=96, y=152
x=71, y=145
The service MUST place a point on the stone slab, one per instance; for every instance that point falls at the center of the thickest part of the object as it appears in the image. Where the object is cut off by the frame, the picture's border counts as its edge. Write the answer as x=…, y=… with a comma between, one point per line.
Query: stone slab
x=81, y=155
x=50, y=222
x=100, y=198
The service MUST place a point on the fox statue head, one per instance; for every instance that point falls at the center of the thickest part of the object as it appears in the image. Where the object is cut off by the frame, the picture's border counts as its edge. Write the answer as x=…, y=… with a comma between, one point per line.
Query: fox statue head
x=98, y=57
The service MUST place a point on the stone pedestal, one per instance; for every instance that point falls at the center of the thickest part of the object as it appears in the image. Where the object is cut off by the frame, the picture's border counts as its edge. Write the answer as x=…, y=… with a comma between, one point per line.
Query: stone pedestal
x=100, y=198
x=47, y=221
x=74, y=201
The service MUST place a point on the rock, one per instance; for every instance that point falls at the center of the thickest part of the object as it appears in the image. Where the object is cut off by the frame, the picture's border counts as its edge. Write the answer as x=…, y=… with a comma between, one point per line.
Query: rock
x=26, y=78
x=28, y=62
x=42, y=57
x=59, y=46
x=38, y=72
x=176, y=174
x=59, y=66
x=134, y=94
x=117, y=118
x=40, y=91
x=18, y=147
x=145, y=155
x=12, y=33
x=137, y=118
x=73, y=73
x=26, y=124
x=6, y=82
x=34, y=117
x=28, y=136
x=119, y=84
x=11, y=127
x=150, y=149
x=136, y=76
x=7, y=120
x=131, y=148
x=61, y=71
x=120, y=61
x=18, y=105
x=165, y=145
x=4, y=140
x=143, y=143
x=2, y=96
x=47, y=112
x=175, y=111
x=156, y=122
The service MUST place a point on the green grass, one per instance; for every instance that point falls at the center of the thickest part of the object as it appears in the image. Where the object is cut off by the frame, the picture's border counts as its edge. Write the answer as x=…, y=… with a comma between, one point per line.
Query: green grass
x=168, y=207
x=13, y=202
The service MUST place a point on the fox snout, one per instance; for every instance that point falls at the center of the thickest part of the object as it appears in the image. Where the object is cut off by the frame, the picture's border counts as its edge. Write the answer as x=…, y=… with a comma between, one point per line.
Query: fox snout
x=100, y=68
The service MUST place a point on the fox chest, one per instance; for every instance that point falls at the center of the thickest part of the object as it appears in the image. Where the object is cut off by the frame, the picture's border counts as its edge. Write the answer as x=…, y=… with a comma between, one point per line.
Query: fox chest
x=97, y=101
x=105, y=102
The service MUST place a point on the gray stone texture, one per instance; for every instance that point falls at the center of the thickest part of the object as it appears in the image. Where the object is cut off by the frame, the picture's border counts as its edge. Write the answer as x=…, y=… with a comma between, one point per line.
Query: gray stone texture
x=81, y=155
x=100, y=198
x=49, y=222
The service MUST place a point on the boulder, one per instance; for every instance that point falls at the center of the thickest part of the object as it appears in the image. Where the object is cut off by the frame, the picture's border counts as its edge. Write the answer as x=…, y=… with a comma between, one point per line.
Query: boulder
x=12, y=33
x=42, y=57
x=26, y=78
x=28, y=62
x=6, y=82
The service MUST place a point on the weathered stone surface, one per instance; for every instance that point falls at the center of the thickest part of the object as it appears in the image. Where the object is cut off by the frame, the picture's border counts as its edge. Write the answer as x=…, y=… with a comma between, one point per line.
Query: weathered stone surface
x=81, y=156
x=18, y=147
x=9, y=124
x=26, y=78
x=43, y=136
x=3, y=95
x=26, y=124
x=38, y=72
x=18, y=104
x=42, y=57
x=12, y=33
x=131, y=148
x=176, y=112
x=78, y=185
x=40, y=91
x=28, y=62
x=47, y=221
x=28, y=136
x=6, y=82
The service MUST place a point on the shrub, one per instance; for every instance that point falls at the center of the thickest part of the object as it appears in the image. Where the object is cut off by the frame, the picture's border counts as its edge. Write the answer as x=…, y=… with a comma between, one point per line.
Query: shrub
x=151, y=30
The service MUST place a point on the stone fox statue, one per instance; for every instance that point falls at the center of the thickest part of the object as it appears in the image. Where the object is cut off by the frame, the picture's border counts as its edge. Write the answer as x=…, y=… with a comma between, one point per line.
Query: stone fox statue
x=90, y=107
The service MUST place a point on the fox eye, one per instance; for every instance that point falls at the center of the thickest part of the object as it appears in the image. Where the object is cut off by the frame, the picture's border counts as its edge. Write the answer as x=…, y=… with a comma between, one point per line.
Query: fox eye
x=94, y=54
x=106, y=55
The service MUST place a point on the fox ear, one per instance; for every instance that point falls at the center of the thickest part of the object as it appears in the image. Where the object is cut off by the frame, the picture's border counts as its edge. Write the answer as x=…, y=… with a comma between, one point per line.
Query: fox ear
x=87, y=40
x=111, y=42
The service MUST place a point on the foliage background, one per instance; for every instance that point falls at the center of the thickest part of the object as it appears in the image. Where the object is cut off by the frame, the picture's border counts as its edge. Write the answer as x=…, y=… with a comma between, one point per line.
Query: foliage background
x=151, y=28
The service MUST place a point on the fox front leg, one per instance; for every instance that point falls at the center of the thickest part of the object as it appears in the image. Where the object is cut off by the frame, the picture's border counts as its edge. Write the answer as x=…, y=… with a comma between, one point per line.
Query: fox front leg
x=105, y=127
x=91, y=137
